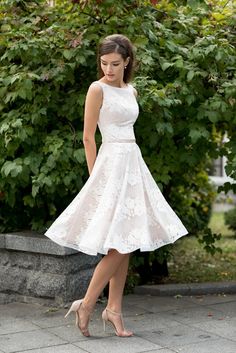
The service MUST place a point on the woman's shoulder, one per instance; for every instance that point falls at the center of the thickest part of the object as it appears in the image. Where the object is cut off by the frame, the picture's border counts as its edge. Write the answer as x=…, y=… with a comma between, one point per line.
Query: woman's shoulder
x=95, y=88
x=95, y=91
x=96, y=85
x=133, y=89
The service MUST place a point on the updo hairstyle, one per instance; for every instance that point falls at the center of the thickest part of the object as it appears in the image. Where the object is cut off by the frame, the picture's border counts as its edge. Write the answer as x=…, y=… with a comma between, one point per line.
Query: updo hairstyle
x=117, y=43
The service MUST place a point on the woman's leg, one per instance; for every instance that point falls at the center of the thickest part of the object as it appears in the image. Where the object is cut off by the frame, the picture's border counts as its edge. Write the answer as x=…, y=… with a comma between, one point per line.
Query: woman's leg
x=105, y=269
x=114, y=305
x=116, y=286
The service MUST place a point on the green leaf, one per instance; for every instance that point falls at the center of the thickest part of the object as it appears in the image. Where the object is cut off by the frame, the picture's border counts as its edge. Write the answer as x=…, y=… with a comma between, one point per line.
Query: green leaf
x=197, y=133
x=22, y=93
x=190, y=75
x=79, y=155
x=213, y=116
x=29, y=201
x=11, y=168
x=141, y=41
x=35, y=190
x=68, y=54
x=210, y=48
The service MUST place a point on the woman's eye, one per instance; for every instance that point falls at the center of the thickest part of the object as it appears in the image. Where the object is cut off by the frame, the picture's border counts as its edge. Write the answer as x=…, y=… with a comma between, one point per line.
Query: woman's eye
x=105, y=64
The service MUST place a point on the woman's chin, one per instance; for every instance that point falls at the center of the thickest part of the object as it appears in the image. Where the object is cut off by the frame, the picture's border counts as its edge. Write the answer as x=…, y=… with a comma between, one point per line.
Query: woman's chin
x=110, y=78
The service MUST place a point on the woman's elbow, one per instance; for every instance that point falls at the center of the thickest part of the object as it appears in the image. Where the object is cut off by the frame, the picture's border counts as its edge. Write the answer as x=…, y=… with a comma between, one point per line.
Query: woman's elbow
x=88, y=140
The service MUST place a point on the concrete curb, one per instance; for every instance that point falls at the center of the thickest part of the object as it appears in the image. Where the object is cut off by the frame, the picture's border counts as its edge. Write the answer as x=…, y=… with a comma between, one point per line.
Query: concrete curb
x=187, y=289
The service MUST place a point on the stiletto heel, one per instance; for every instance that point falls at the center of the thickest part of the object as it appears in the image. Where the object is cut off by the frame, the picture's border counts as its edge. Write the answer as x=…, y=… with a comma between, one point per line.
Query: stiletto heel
x=104, y=325
x=106, y=319
x=75, y=307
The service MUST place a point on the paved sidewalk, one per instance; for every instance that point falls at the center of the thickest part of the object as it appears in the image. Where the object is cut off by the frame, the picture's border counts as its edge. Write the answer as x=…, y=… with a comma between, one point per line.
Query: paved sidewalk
x=197, y=324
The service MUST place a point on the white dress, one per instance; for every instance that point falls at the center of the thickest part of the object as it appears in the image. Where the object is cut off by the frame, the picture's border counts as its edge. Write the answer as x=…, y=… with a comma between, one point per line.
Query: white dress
x=120, y=206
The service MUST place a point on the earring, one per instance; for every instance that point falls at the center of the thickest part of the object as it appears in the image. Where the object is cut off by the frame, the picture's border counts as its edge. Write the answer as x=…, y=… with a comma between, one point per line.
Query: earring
x=125, y=67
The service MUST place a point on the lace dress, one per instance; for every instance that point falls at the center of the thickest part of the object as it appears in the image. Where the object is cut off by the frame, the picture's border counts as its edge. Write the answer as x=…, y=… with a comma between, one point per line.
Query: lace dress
x=120, y=206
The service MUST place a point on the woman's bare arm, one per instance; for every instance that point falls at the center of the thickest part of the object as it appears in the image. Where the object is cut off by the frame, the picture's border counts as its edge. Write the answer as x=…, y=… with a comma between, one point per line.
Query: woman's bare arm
x=93, y=104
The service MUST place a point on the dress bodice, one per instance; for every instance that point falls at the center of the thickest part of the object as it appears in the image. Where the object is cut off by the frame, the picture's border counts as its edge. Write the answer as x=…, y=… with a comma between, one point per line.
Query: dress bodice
x=118, y=113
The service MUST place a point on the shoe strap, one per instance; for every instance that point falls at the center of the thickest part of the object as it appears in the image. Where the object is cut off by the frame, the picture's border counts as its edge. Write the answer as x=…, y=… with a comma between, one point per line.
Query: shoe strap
x=113, y=312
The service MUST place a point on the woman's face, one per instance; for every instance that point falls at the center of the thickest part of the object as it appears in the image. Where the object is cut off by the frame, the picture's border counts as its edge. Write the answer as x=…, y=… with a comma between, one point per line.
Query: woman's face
x=113, y=66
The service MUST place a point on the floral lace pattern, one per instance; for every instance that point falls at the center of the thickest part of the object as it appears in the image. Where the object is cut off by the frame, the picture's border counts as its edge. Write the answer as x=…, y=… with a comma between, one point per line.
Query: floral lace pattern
x=120, y=206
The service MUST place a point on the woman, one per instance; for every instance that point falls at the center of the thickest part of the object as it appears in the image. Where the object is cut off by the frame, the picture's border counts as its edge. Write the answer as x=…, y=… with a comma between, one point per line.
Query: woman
x=120, y=208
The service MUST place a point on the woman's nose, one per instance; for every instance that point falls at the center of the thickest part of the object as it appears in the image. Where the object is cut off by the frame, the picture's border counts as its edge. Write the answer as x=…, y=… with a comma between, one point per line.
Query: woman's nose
x=109, y=68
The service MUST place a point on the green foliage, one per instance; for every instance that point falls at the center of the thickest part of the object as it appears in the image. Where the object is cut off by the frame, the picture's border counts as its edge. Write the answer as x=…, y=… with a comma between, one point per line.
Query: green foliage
x=193, y=201
x=230, y=219
x=42, y=160
x=187, y=92
x=208, y=239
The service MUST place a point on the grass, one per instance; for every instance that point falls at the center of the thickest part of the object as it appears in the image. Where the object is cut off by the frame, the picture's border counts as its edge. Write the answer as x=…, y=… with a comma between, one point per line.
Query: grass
x=191, y=263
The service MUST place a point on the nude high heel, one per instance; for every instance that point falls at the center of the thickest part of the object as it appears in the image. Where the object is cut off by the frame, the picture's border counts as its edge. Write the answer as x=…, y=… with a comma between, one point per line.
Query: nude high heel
x=76, y=307
x=106, y=318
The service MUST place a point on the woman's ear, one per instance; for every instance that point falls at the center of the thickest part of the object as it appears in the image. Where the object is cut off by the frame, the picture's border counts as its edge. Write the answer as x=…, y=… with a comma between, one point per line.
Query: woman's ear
x=127, y=61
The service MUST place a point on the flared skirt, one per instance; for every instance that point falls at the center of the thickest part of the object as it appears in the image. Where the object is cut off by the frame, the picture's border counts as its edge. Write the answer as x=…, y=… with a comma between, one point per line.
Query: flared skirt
x=119, y=207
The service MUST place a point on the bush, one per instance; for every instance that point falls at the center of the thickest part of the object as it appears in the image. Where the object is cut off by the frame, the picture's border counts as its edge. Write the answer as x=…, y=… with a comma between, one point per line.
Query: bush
x=187, y=90
x=193, y=201
x=230, y=219
x=42, y=161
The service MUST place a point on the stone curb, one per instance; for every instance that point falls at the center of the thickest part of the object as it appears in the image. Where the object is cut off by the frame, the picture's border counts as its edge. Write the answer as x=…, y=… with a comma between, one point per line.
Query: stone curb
x=187, y=289
x=33, y=242
x=34, y=268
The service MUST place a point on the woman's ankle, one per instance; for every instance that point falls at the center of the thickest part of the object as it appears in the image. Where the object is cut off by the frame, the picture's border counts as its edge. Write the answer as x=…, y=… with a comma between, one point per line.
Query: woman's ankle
x=114, y=308
x=88, y=306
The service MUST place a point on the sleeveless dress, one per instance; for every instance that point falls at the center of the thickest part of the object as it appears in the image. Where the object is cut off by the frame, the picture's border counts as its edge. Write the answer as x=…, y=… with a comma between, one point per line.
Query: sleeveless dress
x=120, y=206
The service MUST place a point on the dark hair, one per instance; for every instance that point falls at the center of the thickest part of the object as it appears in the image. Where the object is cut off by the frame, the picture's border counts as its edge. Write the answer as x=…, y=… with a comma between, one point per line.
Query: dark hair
x=117, y=43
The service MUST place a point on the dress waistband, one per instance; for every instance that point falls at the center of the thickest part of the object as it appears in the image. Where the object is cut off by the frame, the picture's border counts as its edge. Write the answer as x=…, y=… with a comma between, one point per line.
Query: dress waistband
x=120, y=141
